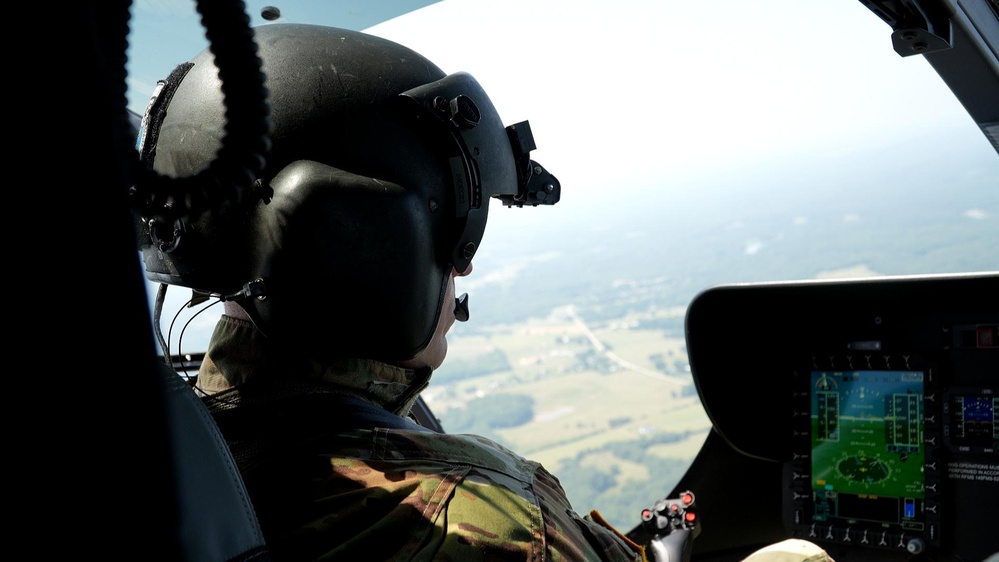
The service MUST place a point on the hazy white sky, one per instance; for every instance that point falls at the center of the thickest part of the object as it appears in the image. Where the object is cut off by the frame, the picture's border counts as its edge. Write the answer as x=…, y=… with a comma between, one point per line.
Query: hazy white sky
x=616, y=90
x=632, y=95
x=624, y=91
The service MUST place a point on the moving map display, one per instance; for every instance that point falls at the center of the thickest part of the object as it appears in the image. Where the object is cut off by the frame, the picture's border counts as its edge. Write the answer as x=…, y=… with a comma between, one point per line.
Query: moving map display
x=867, y=447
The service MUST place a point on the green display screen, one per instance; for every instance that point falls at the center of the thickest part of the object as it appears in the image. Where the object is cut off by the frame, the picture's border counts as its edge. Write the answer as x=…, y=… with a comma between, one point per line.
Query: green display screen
x=867, y=447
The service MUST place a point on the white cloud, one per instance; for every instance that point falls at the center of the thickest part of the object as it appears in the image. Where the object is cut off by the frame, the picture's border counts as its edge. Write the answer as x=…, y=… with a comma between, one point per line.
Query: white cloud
x=753, y=247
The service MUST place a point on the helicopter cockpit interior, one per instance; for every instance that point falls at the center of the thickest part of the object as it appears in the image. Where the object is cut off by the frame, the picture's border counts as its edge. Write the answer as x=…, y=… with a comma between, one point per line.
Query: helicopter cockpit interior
x=858, y=414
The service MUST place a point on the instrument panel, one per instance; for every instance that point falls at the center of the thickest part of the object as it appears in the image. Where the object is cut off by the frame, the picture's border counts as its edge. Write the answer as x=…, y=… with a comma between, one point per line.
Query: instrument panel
x=876, y=396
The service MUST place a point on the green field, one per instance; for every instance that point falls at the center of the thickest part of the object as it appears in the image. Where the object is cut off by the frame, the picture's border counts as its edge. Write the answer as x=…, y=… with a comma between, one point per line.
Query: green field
x=613, y=411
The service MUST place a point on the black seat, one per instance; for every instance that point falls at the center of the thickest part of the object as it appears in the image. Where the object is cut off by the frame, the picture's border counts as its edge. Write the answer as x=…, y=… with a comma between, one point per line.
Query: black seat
x=215, y=517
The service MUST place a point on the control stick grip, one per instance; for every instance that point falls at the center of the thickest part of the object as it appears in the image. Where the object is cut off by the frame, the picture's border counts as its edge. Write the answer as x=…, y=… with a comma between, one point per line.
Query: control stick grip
x=672, y=524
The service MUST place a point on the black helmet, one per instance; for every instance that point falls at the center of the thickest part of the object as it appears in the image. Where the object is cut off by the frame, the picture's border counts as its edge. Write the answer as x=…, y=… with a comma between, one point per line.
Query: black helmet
x=377, y=183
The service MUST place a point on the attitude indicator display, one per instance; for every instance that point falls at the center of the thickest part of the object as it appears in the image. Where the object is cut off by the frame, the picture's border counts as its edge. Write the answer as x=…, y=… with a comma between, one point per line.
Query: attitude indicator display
x=867, y=447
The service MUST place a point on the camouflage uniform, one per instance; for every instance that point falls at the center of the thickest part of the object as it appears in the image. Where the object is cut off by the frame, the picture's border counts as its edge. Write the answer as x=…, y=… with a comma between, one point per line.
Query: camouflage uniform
x=390, y=494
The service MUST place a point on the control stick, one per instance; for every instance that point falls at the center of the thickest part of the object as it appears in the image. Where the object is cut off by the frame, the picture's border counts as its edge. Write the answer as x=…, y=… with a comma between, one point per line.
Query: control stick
x=672, y=524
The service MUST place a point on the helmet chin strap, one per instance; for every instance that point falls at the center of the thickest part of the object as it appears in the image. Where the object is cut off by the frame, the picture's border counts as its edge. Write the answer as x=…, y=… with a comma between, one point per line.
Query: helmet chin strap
x=461, y=308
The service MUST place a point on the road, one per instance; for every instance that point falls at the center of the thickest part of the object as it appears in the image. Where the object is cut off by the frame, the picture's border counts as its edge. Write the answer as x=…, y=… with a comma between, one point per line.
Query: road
x=600, y=348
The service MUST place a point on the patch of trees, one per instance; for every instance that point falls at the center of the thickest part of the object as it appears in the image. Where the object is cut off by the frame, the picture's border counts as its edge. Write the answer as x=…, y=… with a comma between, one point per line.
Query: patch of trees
x=618, y=422
x=597, y=487
x=484, y=415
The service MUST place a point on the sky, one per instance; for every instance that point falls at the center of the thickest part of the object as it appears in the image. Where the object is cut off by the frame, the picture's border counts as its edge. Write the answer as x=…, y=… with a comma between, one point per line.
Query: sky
x=630, y=96
x=661, y=85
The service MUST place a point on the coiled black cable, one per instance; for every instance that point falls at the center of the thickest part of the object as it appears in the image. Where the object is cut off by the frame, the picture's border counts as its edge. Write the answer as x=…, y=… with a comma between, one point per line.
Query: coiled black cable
x=246, y=142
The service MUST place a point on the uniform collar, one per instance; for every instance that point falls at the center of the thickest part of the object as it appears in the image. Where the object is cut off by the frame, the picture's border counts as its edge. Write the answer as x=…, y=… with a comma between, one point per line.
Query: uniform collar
x=240, y=357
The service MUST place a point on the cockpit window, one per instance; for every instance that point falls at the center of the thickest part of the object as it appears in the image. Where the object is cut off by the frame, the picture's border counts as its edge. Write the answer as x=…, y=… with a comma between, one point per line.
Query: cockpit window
x=696, y=144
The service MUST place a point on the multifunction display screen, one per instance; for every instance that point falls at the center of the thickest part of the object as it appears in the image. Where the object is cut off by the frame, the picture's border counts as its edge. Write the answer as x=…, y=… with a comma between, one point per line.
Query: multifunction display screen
x=867, y=448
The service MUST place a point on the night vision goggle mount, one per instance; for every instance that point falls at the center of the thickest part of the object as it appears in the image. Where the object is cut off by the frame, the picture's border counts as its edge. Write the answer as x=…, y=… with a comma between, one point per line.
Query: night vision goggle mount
x=486, y=162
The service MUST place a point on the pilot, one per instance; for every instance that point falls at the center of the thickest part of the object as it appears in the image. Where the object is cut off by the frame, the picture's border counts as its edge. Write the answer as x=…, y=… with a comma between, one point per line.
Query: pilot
x=337, y=275
x=336, y=271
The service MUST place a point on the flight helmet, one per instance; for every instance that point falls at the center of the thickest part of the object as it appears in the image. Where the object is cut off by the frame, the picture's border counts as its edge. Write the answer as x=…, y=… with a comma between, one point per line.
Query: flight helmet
x=376, y=184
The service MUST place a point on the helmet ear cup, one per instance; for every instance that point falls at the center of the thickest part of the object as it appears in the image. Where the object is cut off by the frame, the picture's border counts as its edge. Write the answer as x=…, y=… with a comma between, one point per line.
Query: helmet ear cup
x=349, y=264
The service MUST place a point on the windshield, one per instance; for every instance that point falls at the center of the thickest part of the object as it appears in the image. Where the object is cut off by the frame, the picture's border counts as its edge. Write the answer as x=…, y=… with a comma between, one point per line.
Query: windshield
x=697, y=143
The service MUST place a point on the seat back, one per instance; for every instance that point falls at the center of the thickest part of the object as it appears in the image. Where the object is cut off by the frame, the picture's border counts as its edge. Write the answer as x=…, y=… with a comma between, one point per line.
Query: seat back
x=216, y=521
